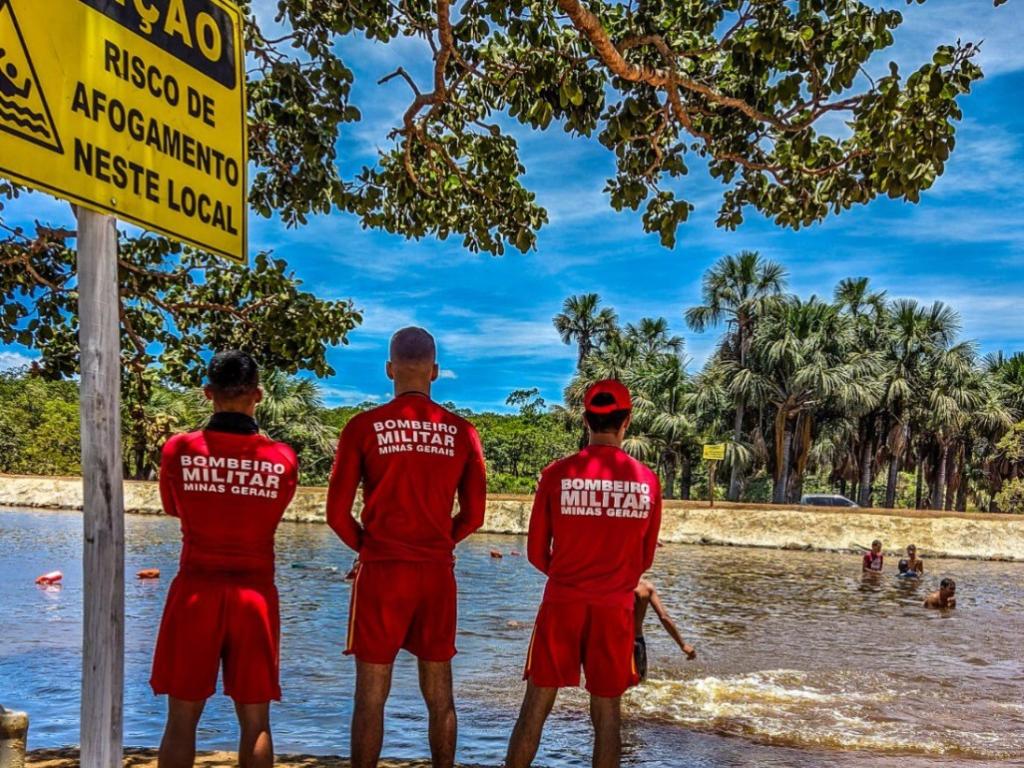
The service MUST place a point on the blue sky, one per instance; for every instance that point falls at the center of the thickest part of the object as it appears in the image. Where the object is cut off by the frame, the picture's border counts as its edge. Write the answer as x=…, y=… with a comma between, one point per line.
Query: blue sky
x=963, y=244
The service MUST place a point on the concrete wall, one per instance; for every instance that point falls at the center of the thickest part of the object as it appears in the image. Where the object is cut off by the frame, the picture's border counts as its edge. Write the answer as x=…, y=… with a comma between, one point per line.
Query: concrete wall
x=949, y=534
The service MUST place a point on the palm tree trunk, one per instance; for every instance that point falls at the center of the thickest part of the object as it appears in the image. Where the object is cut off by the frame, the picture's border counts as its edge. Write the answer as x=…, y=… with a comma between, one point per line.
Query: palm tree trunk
x=890, y=482
x=796, y=490
x=920, y=482
x=668, y=462
x=735, y=473
x=685, y=477
x=801, y=454
x=940, y=477
x=867, y=455
x=894, y=468
x=961, y=491
x=782, y=481
x=952, y=479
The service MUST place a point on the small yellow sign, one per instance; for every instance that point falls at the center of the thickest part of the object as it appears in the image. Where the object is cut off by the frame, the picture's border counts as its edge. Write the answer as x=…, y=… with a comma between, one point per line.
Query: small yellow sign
x=134, y=108
x=714, y=451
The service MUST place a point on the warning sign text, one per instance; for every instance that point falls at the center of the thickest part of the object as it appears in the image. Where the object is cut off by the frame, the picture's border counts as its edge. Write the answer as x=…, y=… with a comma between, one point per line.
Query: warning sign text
x=143, y=118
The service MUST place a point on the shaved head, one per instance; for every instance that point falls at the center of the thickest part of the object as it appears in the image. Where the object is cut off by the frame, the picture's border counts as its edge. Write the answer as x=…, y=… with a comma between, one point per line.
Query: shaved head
x=413, y=346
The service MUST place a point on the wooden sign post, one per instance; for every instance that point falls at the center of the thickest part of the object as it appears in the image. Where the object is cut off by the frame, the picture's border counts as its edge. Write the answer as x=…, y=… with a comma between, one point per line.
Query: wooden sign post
x=99, y=329
x=713, y=453
x=175, y=165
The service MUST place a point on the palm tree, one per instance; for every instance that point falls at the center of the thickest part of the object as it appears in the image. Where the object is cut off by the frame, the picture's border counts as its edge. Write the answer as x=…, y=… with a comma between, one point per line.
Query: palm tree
x=995, y=465
x=582, y=322
x=664, y=431
x=166, y=412
x=736, y=291
x=292, y=411
x=649, y=360
x=916, y=336
x=1009, y=371
x=962, y=400
x=867, y=309
x=803, y=355
x=652, y=336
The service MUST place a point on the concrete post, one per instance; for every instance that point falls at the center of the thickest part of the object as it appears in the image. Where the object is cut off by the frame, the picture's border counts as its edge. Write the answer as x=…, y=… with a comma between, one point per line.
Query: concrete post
x=13, y=738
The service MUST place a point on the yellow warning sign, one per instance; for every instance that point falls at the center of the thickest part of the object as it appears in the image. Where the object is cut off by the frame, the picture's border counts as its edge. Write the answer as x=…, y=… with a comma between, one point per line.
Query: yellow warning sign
x=134, y=108
x=714, y=451
x=23, y=109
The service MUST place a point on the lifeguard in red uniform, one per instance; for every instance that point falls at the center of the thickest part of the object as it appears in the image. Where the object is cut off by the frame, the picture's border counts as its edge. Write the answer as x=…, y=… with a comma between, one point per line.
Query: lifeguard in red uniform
x=593, y=532
x=229, y=485
x=413, y=457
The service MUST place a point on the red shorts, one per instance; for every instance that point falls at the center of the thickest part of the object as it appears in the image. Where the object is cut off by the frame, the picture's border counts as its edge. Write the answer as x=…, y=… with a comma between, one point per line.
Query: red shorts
x=398, y=605
x=206, y=622
x=598, y=638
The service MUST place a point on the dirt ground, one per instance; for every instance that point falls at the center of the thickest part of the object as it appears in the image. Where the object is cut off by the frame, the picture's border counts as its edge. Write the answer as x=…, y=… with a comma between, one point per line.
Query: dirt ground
x=146, y=758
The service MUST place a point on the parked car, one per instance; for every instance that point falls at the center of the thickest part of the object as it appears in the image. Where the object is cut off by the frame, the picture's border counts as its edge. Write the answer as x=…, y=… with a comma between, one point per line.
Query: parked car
x=826, y=500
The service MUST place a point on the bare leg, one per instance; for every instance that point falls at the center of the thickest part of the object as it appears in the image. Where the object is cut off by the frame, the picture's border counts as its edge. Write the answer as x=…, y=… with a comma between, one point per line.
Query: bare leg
x=178, y=747
x=436, y=686
x=525, y=741
x=606, y=715
x=256, y=745
x=373, y=684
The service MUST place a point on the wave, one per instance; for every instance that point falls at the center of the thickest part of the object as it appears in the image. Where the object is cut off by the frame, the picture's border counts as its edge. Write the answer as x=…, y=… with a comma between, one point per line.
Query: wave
x=811, y=710
x=38, y=117
x=24, y=123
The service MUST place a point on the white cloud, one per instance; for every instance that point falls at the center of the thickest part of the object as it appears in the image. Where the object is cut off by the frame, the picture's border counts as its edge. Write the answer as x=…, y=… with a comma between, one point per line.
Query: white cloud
x=939, y=23
x=447, y=374
x=972, y=225
x=494, y=337
x=337, y=396
x=987, y=312
x=12, y=360
x=987, y=160
x=381, y=320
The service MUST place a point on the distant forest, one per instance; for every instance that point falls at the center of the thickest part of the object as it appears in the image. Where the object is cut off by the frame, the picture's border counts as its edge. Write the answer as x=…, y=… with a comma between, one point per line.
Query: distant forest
x=875, y=398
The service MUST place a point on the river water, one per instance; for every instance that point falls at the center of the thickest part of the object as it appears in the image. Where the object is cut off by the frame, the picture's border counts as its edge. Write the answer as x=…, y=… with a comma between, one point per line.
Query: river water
x=801, y=662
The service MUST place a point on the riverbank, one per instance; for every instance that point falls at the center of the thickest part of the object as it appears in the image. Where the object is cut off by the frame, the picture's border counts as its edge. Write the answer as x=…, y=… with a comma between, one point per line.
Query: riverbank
x=146, y=758
x=937, y=534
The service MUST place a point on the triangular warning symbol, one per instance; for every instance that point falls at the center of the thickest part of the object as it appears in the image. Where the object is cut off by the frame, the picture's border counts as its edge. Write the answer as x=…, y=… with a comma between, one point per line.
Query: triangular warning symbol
x=23, y=108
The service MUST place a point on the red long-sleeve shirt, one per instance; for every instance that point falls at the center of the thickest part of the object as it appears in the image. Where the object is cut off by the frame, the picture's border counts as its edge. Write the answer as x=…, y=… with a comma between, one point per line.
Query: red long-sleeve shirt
x=229, y=489
x=594, y=526
x=413, y=457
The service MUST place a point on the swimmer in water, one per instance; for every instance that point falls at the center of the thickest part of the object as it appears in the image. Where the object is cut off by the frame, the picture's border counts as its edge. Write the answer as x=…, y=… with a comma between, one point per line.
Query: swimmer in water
x=8, y=78
x=945, y=597
x=912, y=565
x=643, y=596
x=873, y=559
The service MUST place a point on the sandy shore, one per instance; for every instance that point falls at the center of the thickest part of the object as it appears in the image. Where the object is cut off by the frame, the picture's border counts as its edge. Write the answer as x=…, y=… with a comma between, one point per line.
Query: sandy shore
x=146, y=758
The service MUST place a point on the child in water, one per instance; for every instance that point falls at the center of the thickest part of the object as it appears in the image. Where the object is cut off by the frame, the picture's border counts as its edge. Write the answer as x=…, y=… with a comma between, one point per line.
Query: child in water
x=911, y=566
x=873, y=559
x=643, y=596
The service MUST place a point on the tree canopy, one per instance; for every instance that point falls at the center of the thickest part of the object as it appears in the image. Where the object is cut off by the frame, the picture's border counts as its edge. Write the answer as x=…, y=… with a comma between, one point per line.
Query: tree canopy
x=789, y=104
x=785, y=102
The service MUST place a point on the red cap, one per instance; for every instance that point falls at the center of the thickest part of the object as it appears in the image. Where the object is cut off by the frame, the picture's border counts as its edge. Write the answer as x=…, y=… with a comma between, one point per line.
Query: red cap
x=616, y=397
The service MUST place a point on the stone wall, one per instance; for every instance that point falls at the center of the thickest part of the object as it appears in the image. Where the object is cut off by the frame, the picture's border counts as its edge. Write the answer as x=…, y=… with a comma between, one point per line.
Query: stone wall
x=971, y=535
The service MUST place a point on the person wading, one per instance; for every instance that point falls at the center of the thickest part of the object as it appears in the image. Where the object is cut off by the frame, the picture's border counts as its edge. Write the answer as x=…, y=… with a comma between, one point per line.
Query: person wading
x=413, y=457
x=229, y=485
x=593, y=531
x=646, y=596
